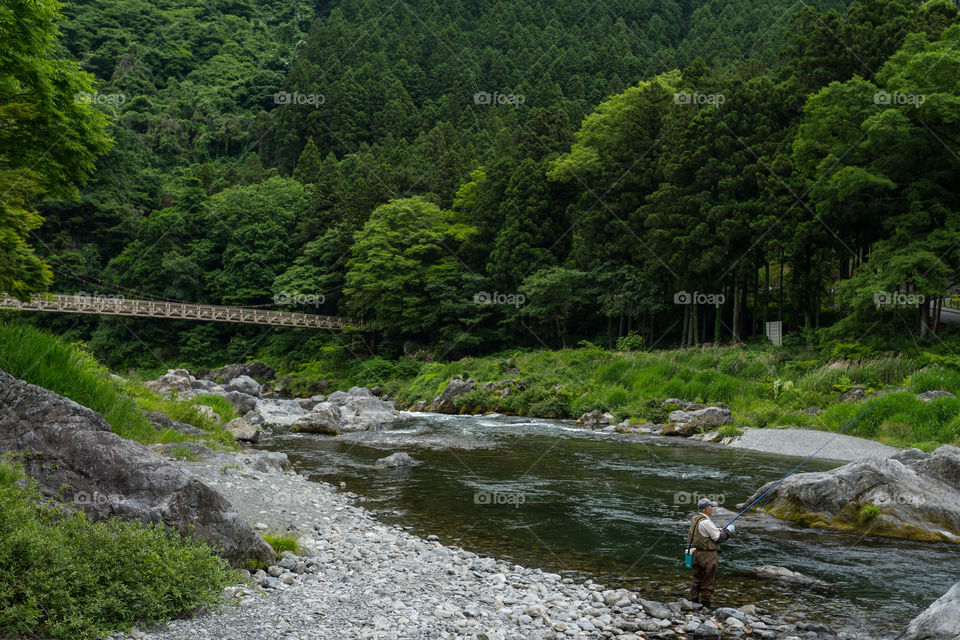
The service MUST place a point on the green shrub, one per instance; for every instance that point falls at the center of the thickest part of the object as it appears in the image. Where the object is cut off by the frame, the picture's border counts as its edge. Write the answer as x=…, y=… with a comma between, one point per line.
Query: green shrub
x=550, y=406
x=633, y=341
x=66, y=577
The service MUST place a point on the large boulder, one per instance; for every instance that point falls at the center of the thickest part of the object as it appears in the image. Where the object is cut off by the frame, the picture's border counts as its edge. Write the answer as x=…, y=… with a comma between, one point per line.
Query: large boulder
x=71, y=452
x=940, y=621
x=173, y=382
x=246, y=428
x=446, y=401
x=595, y=419
x=360, y=410
x=324, y=418
x=242, y=402
x=244, y=384
x=911, y=494
x=687, y=423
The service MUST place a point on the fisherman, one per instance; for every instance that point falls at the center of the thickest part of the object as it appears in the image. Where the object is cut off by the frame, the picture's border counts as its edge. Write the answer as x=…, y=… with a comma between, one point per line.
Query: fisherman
x=706, y=539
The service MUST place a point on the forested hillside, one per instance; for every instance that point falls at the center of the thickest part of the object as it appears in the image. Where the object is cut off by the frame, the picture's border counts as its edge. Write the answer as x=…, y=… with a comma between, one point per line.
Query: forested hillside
x=479, y=176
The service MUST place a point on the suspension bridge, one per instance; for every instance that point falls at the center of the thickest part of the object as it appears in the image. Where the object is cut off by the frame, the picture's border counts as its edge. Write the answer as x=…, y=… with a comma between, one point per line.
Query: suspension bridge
x=120, y=306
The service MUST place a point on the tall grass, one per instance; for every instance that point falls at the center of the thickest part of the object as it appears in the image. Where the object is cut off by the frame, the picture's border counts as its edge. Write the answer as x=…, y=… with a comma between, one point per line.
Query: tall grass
x=764, y=386
x=45, y=360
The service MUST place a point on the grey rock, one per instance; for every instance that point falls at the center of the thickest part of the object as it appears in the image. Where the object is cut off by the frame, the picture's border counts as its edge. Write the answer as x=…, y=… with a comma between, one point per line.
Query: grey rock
x=594, y=419
x=707, y=630
x=686, y=423
x=688, y=605
x=244, y=384
x=918, y=495
x=446, y=401
x=242, y=402
x=324, y=418
x=110, y=476
x=161, y=422
x=174, y=381
x=782, y=574
x=852, y=395
x=927, y=396
x=268, y=461
x=394, y=460
x=360, y=410
x=655, y=609
x=940, y=621
x=243, y=430
x=722, y=613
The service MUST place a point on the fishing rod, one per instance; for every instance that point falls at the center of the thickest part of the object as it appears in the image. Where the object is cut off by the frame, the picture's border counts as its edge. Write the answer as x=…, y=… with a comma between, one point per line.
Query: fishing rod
x=805, y=461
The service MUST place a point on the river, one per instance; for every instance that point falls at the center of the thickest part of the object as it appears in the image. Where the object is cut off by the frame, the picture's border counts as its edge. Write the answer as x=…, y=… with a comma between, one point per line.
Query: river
x=615, y=508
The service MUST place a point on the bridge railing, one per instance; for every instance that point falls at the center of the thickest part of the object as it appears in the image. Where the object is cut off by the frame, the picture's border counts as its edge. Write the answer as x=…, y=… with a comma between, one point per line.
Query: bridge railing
x=118, y=306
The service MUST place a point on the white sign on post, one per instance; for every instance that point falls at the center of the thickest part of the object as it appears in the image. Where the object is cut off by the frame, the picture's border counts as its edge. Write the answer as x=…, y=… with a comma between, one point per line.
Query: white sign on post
x=774, y=332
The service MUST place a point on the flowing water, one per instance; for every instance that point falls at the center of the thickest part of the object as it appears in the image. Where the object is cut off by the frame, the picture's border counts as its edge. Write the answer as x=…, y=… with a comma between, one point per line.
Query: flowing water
x=615, y=508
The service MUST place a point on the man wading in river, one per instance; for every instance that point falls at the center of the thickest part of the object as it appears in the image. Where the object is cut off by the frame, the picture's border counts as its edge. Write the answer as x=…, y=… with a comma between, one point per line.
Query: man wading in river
x=706, y=538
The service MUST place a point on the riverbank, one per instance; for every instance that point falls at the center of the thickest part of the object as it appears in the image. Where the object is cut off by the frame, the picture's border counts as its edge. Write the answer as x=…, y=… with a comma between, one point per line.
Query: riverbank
x=360, y=578
x=913, y=397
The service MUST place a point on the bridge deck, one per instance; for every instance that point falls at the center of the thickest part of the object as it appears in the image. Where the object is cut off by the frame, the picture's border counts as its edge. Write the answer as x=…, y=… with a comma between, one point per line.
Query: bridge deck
x=57, y=303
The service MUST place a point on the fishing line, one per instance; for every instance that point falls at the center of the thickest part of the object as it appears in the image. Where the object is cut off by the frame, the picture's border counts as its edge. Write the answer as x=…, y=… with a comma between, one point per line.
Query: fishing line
x=808, y=458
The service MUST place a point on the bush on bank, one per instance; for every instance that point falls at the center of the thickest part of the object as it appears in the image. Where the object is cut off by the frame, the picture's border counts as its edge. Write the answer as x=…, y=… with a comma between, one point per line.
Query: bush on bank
x=66, y=577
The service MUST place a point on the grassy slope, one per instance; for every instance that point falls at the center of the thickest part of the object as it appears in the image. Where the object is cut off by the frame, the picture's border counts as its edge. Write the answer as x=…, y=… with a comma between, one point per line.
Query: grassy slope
x=43, y=359
x=764, y=386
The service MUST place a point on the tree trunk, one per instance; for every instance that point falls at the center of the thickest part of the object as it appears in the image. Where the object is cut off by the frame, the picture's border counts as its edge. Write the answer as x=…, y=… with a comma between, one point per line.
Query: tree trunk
x=683, y=331
x=938, y=305
x=780, y=292
x=736, y=308
x=766, y=289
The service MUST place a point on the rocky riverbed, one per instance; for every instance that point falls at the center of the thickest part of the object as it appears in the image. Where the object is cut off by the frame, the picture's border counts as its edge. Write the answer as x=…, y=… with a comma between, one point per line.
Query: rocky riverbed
x=360, y=578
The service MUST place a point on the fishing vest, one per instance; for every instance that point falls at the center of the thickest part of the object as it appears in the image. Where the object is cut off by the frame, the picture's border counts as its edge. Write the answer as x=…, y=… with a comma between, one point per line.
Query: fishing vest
x=700, y=541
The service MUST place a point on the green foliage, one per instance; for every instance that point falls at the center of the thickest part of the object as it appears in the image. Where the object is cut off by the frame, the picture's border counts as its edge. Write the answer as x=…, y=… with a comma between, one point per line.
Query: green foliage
x=50, y=138
x=867, y=512
x=66, y=577
x=628, y=171
x=283, y=542
x=633, y=341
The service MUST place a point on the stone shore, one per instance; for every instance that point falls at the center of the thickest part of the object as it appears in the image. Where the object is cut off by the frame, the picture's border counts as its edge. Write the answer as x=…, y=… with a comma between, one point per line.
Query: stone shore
x=357, y=578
